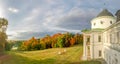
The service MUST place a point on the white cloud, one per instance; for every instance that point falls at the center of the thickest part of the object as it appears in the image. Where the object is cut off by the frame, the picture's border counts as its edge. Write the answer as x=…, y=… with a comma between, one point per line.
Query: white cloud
x=13, y=10
x=2, y=11
x=33, y=14
x=14, y=34
x=64, y=29
x=72, y=21
x=11, y=34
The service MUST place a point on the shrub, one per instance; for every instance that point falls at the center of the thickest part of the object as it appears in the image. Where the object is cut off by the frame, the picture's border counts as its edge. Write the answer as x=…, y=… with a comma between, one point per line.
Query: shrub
x=61, y=42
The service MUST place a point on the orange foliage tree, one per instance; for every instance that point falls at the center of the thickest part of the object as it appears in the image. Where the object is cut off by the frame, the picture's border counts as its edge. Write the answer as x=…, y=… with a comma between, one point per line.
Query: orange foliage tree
x=57, y=40
x=72, y=41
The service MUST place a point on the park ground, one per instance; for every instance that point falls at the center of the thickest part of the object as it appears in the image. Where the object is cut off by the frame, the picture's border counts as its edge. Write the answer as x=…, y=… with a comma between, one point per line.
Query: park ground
x=70, y=55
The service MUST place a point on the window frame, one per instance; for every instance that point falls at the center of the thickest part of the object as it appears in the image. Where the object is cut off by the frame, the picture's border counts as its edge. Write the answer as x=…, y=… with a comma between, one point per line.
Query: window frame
x=100, y=53
x=99, y=38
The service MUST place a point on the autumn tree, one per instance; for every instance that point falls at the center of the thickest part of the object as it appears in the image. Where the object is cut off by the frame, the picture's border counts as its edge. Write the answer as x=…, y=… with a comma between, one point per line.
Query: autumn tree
x=32, y=44
x=72, y=41
x=3, y=36
x=56, y=40
x=67, y=38
x=78, y=38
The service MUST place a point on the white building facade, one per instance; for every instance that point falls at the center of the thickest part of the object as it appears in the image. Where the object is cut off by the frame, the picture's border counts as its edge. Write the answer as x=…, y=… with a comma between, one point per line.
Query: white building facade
x=103, y=40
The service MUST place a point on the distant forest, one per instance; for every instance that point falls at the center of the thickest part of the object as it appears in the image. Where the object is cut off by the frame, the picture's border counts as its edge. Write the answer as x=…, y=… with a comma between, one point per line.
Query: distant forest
x=57, y=40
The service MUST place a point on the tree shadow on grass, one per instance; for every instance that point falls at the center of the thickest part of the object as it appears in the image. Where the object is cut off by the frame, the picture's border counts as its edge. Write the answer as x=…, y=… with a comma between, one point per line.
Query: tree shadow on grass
x=17, y=59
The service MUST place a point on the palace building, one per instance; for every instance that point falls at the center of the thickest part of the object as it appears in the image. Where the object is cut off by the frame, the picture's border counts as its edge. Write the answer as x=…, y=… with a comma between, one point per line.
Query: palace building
x=103, y=39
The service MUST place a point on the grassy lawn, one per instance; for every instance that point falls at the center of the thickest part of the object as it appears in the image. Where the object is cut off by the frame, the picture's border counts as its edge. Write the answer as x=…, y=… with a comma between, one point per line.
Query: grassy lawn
x=49, y=56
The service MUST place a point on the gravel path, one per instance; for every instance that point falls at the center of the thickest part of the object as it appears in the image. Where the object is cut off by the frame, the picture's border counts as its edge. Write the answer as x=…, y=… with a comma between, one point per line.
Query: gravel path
x=4, y=58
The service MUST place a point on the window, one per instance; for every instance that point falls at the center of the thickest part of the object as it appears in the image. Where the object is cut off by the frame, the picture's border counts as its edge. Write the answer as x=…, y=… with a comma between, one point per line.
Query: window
x=110, y=22
x=101, y=22
x=89, y=48
x=100, y=53
x=118, y=36
x=111, y=38
x=99, y=38
x=88, y=39
x=94, y=24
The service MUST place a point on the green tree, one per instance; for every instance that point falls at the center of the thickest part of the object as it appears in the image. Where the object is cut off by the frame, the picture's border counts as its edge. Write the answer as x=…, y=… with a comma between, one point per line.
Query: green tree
x=61, y=41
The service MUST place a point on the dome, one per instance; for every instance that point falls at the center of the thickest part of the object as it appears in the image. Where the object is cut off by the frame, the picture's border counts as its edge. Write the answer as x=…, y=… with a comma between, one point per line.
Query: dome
x=105, y=12
x=103, y=20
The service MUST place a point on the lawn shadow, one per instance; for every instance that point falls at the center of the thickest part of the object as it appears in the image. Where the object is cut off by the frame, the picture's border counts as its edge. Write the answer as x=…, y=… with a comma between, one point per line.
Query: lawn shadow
x=17, y=59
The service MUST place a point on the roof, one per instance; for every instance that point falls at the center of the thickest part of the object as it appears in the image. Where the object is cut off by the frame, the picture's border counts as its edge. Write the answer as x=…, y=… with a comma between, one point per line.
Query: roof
x=93, y=30
x=105, y=12
x=118, y=15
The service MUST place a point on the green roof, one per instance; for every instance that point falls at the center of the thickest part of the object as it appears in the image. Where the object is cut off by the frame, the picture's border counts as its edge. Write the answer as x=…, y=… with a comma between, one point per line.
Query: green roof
x=93, y=30
x=105, y=12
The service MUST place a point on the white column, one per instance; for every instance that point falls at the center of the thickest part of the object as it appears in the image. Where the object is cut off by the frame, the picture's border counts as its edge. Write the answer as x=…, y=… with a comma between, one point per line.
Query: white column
x=92, y=45
x=84, y=48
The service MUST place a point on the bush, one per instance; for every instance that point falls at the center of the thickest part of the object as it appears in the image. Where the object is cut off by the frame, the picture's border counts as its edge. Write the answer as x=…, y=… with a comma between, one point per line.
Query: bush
x=43, y=46
x=8, y=46
x=61, y=42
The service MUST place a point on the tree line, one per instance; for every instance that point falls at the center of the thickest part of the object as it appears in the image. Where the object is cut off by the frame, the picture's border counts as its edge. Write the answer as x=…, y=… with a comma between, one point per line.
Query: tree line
x=54, y=41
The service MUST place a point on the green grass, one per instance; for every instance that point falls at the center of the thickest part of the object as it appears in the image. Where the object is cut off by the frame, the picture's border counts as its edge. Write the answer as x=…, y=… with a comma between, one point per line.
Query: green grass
x=49, y=56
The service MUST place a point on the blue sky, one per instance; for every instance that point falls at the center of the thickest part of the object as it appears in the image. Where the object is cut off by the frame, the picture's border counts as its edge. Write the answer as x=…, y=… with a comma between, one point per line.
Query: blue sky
x=37, y=18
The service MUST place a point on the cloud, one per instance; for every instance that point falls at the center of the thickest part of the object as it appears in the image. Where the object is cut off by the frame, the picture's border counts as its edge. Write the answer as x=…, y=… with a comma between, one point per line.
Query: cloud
x=77, y=19
x=28, y=23
x=33, y=14
x=13, y=10
x=74, y=20
x=27, y=35
x=41, y=17
x=59, y=29
x=2, y=11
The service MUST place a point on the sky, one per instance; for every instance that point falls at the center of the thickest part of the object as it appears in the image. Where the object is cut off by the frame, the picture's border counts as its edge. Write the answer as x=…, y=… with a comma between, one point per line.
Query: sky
x=28, y=18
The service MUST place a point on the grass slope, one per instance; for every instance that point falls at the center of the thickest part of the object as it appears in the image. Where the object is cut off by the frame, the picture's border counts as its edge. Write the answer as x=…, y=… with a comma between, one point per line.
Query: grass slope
x=49, y=56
